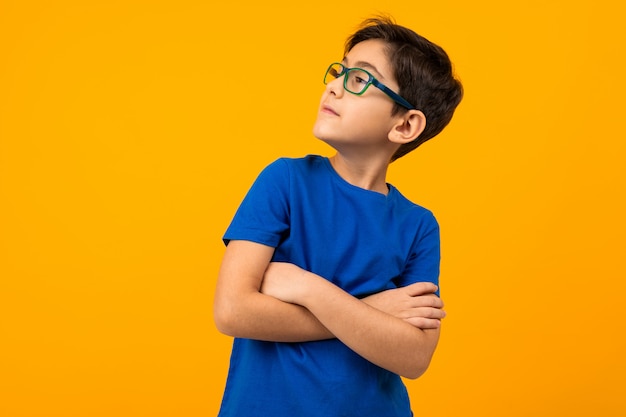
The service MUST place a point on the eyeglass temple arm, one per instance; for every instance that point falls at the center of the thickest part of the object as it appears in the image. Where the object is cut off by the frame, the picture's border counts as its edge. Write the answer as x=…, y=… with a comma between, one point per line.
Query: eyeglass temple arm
x=392, y=94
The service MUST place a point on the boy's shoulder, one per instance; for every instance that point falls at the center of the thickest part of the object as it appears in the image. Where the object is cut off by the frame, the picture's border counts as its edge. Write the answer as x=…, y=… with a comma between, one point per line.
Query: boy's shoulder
x=405, y=204
x=283, y=165
x=287, y=172
x=310, y=159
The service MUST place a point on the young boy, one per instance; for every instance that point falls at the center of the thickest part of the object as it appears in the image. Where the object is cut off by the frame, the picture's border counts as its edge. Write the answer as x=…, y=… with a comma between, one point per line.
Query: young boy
x=328, y=281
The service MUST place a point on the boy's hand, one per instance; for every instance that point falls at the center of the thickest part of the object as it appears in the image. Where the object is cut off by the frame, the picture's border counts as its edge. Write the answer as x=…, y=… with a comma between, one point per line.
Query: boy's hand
x=416, y=304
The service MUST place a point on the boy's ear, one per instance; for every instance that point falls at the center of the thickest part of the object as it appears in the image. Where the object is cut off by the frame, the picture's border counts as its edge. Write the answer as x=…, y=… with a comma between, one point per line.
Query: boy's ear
x=408, y=127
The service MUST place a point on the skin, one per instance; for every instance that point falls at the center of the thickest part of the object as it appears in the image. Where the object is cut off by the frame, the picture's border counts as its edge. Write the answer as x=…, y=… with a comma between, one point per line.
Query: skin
x=255, y=298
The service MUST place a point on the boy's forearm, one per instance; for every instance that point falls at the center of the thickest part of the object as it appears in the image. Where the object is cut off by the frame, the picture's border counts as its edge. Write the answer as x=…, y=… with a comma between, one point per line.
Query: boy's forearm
x=261, y=317
x=383, y=339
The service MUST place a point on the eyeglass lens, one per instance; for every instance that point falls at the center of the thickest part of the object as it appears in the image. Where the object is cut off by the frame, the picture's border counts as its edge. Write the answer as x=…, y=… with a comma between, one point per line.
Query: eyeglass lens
x=357, y=79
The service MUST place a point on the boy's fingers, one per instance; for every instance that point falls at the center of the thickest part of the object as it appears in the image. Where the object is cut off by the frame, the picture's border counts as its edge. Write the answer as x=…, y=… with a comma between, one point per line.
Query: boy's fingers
x=424, y=323
x=430, y=313
x=421, y=288
x=427, y=300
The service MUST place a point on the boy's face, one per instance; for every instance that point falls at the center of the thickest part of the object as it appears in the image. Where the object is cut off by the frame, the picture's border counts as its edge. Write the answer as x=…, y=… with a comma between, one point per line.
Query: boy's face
x=345, y=119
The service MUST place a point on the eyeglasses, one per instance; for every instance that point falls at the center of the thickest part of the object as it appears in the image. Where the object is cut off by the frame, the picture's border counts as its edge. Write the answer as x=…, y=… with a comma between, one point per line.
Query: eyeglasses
x=357, y=80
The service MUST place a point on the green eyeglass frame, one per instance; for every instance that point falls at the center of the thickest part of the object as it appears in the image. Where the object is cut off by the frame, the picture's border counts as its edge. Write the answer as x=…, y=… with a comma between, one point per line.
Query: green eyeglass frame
x=370, y=81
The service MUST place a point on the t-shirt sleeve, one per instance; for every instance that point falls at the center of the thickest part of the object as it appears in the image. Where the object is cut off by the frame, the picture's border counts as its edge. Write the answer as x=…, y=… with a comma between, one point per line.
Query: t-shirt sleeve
x=424, y=260
x=263, y=215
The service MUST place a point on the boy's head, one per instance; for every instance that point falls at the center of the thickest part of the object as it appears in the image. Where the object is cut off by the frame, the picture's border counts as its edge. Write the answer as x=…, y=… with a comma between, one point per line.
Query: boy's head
x=423, y=72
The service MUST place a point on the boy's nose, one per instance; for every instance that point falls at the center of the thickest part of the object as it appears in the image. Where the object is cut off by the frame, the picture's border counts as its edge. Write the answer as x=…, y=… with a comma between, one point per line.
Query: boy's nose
x=335, y=87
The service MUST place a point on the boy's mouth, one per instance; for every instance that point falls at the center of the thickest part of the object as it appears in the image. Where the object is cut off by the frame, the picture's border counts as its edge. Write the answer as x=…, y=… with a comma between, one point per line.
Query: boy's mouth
x=329, y=110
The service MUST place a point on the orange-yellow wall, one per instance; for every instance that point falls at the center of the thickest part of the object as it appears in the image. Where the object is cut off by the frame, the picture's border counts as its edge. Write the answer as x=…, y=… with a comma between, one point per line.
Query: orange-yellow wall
x=130, y=131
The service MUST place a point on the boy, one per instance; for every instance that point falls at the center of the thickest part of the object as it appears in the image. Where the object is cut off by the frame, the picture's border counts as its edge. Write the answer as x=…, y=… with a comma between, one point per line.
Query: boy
x=328, y=281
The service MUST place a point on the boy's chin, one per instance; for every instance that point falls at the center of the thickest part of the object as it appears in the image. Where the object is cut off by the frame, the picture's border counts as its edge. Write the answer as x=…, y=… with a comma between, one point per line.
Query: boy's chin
x=322, y=134
x=326, y=140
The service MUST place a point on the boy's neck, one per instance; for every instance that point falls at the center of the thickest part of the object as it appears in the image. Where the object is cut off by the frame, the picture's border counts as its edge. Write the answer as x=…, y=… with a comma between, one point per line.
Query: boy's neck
x=367, y=174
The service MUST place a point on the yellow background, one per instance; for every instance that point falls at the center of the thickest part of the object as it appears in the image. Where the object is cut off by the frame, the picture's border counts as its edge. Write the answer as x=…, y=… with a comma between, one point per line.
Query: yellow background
x=130, y=131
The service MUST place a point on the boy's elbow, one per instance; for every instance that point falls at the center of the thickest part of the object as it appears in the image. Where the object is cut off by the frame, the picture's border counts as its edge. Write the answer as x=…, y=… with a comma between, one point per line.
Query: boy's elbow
x=223, y=319
x=233, y=315
x=423, y=354
x=417, y=370
x=220, y=324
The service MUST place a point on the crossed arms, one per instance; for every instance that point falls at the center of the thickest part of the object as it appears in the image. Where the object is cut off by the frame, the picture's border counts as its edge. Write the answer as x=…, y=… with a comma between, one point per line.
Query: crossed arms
x=258, y=299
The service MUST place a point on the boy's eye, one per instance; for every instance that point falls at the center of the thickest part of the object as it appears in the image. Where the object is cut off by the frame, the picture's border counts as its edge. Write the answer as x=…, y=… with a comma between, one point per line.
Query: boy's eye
x=359, y=76
x=358, y=80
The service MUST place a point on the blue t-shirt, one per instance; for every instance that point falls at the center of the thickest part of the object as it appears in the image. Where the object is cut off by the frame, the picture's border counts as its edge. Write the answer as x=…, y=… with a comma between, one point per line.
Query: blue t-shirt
x=362, y=241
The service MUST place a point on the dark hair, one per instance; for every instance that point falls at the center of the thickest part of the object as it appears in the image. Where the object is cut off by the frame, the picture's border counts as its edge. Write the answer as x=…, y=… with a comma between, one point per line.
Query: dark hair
x=422, y=70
